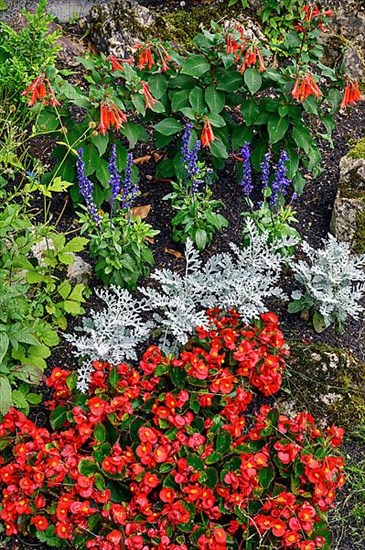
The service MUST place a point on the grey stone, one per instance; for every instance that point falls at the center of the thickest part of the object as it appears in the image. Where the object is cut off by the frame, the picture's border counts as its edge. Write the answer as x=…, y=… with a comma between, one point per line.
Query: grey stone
x=115, y=27
x=349, y=199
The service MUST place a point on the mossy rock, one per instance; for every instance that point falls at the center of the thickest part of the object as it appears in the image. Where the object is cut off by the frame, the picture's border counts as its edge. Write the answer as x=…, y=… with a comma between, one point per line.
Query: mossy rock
x=328, y=382
x=358, y=150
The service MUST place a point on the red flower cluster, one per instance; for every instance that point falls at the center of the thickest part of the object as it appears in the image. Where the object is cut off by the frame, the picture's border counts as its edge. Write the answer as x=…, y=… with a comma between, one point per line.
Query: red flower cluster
x=148, y=97
x=159, y=456
x=304, y=87
x=311, y=13
x=110, y=116
x=41, y=90
x=207, y=135
x=351, y=96
x=147, y=54
x=247, y=54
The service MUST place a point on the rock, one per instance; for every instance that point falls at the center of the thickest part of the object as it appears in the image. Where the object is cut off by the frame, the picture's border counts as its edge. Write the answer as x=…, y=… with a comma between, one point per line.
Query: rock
x=79, y=271
x=349, y=204
x=334, y=393
x=348, y=30
x=116, y=26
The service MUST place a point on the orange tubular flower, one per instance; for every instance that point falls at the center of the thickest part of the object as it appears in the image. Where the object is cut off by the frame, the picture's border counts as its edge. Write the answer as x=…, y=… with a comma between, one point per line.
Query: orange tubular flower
x=250, y=59
x=304, y=87
x=38, y=90
x=116, y=66
x=145, y=59
x=351, y=95
x=110, y=115
x=148, y=97
x=207, y=135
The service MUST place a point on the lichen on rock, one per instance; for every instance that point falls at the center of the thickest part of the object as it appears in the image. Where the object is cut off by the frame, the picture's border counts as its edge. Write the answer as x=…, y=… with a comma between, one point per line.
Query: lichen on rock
x=328, y=382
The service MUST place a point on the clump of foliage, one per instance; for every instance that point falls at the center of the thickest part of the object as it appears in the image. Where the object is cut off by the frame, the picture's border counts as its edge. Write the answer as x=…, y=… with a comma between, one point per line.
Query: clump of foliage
x=118, y=240
x=288, y=106
x=196, y=217
x=162, y=456
x=35, y=300
x=25, y=54
x=273, y=214
x=333, y=281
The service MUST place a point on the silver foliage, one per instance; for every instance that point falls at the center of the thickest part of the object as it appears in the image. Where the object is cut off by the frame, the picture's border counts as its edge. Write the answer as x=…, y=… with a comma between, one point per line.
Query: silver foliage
x=333, y=280
x=113, y=333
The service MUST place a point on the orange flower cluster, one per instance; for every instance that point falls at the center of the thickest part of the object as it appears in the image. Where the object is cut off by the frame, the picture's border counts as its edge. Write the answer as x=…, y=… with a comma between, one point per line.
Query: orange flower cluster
x=312, y=12
x=240, y=47
x=110, y=115
x=43, y=91
x=146, y=58
x=207, y=135
x=304, y=87
x=351, y=95
x=148, y=97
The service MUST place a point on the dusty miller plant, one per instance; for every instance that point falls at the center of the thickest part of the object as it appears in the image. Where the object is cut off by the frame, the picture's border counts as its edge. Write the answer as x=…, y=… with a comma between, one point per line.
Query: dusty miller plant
x=111, y=334
x=243, y=279
x=333, y=283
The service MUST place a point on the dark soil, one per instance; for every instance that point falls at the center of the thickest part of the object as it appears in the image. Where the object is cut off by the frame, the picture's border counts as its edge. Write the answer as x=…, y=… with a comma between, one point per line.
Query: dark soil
x=313, y=212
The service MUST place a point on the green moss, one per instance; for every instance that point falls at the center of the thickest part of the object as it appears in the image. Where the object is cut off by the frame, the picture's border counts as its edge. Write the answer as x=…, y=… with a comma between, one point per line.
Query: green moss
x=187, y=24
x=328, y=382
x=358, y=151
x=359, y=237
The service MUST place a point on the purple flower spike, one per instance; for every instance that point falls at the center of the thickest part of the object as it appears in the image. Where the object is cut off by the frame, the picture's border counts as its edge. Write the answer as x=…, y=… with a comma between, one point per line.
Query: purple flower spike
x=129, y=189
x=86, y=187
x=114, y=181
x=265, y=170
x=246, y=181
x=281, y=182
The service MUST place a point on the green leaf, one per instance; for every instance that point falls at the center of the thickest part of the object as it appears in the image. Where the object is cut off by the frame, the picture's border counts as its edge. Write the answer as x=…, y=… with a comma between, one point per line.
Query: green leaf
x=224, y=441
x=214, y=457
x=230, y=81
x=87, y=467
x=241, y=135
x=218, y=149
x=58, y=416
x=64, y=289
x=5, y=393
x=250, y=111
x=319, y=324
x=196, y=98
x=196, y=462
x=49, y=537
x=201, y=238
x=4, y=345
x=168, y=127
x=72, y=307
x=158, y=85
x=216, y=120
x=253, y=80
x=214, y=99
x=134, y=133
x=101, y=143
x=20, y=401
x=267, y=476
x=277, y=128
x=196, y=65
x=180, y=99
x=100, y=433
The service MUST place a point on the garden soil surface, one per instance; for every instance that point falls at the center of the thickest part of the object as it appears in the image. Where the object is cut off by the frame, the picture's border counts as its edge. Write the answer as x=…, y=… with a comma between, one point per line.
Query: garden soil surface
x=314, y=209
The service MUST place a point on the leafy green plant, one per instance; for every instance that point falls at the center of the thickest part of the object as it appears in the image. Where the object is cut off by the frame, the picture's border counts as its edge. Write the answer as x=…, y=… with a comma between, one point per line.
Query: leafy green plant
x=118, y=240
x=26, y=53
x=196, y=216
x=35, y=299
x=229, y=89
x=273, y=216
